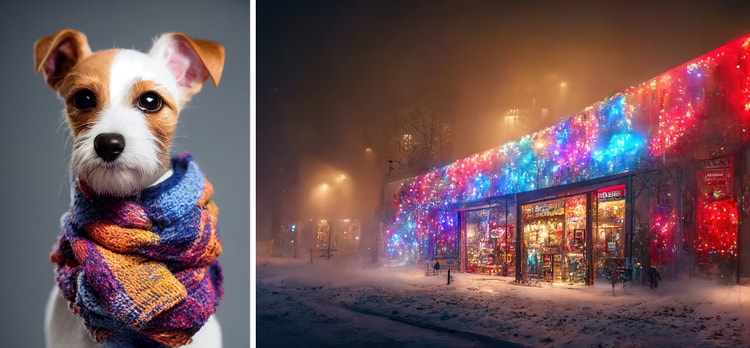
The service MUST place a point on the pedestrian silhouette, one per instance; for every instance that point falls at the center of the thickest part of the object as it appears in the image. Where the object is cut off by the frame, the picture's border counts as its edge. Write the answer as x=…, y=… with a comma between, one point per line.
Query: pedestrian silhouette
x=653, y=277
x=436, y=267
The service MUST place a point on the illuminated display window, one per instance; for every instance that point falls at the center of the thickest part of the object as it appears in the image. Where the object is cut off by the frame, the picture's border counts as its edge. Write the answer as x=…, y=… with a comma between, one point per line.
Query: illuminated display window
x=554, y=239
x=609, y=225
x=490, y=240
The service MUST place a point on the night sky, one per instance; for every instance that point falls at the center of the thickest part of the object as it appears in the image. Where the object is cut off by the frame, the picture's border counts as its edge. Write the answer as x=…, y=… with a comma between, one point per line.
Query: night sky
x=329, y=73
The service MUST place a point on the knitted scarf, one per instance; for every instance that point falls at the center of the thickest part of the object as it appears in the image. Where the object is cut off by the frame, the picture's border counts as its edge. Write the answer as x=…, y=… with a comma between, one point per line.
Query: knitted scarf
x=142, y=271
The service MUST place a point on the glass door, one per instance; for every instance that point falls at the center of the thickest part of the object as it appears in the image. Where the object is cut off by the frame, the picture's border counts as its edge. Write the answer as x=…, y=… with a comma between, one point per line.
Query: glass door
x=609, y=227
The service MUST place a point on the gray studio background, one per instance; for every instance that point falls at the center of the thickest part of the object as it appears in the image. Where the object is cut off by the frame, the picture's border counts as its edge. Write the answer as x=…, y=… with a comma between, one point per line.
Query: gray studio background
x=35, y=145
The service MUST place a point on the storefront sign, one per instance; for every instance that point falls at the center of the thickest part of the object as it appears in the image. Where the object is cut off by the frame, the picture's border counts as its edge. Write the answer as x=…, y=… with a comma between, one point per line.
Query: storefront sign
x=714, y=163
x=714, y=177
x=715, y=180
x=613, y=193
x=549, y=208
x=541, y=208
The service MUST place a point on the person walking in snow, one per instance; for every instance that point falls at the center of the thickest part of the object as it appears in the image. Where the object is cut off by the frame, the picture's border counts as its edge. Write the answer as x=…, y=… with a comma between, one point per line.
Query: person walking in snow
x=436, y=267
x=653, y=277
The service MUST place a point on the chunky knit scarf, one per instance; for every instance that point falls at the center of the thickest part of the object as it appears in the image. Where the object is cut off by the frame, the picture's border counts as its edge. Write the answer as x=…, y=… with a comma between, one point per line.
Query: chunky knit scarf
x=142, y=271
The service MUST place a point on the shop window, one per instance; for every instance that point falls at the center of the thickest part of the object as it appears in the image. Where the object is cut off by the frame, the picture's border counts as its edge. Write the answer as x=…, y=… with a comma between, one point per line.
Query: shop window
x=543, y=238
x=478, y=242
x=554, y=239
x=609, y=227
x=490, y=240
x=574, y=263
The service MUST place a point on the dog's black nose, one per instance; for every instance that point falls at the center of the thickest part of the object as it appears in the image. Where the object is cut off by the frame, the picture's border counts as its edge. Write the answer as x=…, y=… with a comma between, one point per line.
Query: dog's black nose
x=109, y=146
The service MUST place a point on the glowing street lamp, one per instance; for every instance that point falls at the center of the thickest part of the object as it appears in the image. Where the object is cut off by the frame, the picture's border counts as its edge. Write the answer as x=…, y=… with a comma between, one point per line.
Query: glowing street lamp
x=340, y=178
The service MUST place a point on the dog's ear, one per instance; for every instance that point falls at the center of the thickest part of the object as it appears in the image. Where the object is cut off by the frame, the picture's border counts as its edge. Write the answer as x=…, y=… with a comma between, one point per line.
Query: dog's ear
x=56, y=54
x=191, y=61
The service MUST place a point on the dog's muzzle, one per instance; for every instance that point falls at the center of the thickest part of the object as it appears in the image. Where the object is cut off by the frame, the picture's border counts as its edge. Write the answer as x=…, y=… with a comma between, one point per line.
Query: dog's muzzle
x=109, y=146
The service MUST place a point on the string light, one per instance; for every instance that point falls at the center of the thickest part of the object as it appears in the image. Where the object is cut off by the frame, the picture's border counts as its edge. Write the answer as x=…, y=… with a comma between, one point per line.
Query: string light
x=626, y=132
x=717, y=235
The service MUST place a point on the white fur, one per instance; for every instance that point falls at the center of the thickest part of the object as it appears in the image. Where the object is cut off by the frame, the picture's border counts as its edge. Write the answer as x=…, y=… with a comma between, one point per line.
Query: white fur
x=131, y=64
x=139, y=164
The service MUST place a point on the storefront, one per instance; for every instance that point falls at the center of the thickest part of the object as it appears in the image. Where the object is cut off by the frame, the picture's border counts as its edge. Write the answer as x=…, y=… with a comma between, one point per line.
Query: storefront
x=558, y=244
x=554, y=242
x=554, y=239
x=653, y=176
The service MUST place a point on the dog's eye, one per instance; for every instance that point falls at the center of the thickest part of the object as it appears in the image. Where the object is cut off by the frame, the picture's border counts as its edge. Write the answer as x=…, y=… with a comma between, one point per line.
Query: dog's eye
x=84, y=99
x=149, y=102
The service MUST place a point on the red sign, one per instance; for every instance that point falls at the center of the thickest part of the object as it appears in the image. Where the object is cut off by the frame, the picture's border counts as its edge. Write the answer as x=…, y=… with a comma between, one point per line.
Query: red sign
x=612, y=193
x=714, y=177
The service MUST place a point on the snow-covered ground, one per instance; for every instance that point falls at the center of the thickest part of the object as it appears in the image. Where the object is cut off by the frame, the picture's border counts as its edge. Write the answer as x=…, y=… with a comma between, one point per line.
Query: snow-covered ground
x=336, y=303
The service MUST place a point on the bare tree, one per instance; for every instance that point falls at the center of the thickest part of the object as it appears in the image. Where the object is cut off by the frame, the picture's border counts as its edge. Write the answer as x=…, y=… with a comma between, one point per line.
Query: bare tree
x=418, y=140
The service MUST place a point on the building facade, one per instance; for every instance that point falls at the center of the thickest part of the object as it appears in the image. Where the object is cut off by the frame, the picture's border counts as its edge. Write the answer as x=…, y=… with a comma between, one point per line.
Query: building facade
x=655, y=175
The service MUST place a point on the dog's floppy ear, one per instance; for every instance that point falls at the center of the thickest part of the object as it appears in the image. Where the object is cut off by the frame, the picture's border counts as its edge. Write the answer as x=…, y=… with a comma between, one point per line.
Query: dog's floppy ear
x=191, y=61
x=56, y=54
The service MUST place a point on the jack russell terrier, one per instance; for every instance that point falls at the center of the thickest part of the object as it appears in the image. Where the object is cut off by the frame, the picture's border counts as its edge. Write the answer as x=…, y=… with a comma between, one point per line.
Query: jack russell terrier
x=136, y=259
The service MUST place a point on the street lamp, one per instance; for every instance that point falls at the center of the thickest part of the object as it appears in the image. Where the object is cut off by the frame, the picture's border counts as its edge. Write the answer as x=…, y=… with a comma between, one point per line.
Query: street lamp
x=385, y=182
x=328, y=201
x=562, y=96
x=340, y=178
x=383, y=214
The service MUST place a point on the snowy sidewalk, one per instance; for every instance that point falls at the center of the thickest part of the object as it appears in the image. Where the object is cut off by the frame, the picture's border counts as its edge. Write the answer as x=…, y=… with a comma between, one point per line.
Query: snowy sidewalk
x=333, y=304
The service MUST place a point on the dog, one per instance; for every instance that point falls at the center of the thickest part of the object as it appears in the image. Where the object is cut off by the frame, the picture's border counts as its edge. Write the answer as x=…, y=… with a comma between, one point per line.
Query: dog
x=122, y=109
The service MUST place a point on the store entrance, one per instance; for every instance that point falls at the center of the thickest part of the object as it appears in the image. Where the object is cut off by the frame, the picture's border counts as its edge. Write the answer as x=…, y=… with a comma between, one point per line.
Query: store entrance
x=609, y=239
x=554, y=240
x=543, y=239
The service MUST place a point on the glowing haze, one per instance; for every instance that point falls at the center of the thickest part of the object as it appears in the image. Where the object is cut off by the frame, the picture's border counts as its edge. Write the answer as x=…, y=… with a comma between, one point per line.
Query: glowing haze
x=332, y=74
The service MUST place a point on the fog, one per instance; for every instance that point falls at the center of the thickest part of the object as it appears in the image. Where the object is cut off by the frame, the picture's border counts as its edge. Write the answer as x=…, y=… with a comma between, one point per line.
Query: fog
x=330, y=76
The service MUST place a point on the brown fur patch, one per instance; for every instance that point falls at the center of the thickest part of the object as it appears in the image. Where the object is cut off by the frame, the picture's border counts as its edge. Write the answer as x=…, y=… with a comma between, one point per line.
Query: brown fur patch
x=162, y=123
x=91, y=73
